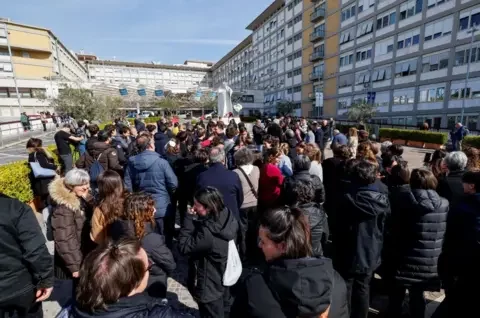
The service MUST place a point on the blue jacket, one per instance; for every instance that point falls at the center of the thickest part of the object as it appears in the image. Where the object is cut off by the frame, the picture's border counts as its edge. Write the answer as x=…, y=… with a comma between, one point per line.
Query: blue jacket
x=339, y=139
x=150, y=173
x=227, y=182
x=161, y=139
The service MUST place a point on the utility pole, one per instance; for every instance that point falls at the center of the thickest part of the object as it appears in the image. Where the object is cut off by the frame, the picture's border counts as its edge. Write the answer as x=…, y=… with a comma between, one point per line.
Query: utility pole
x=472, y=31
x=13, y=66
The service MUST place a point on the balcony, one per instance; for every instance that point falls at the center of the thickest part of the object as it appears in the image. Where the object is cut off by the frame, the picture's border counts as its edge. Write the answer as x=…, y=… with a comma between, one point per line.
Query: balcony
x=317, y=35
x=311, y=96
x=315, y=76
x=318, y=14
x=317, y=55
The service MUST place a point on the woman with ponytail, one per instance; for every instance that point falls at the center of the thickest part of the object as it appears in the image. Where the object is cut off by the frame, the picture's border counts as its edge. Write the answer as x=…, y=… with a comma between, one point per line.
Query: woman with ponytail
x=294, y=283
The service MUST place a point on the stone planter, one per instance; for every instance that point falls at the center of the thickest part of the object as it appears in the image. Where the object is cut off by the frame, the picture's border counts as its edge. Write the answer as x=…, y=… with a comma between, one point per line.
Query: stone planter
x=416, y=144
x=384, y=139
x=399, y=142
x=432, y=146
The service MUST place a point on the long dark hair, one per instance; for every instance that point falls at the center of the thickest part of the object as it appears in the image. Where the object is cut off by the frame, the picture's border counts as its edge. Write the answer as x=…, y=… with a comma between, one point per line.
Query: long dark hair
x=111, y=195
x=289, y=225
x=109, y=273
x=36, y=144
x=211, y=199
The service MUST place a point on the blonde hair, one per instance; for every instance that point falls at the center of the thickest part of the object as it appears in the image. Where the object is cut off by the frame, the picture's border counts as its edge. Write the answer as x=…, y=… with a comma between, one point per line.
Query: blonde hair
x=284, y=148
x=353, y=132
x=364, y=151
x=313, y=152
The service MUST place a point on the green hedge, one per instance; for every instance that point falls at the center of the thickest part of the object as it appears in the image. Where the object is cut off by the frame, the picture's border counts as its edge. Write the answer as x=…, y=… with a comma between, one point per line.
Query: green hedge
x=472, y=141
x=414, y=135
x=248, y=119
x=15, y=181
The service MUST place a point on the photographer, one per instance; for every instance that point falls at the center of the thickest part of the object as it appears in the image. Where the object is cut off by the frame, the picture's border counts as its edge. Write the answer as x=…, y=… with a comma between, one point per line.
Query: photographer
x=63, y=139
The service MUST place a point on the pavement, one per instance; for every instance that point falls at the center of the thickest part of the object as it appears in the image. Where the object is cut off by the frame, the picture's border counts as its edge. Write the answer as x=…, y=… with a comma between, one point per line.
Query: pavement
x=18, y=152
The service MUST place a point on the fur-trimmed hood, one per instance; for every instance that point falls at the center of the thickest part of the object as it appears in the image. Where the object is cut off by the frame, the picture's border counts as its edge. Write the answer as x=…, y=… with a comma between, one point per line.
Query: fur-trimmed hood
x=61, y=195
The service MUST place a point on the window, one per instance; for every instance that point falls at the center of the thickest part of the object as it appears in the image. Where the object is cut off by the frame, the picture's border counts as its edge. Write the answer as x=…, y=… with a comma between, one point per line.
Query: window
x=363, y=77
x=26, y=55
x=364, y=28
x=348, y=13
x=382, y=74
x=409, y=38
x=25, y=92
x=433, y=3
x=431, y=94
x=458, y=89
x=406, y=68
x=435, y=62
x=345, y=80
x=469, y=18
x=345, y=37
x=297, y=89
x=297, y=37
x=363, y=54
x=290, y=24
x=365, y=4
x=290, y=6
x=290, y=41
x=384, y=20
x=384, y=47
x=344, y=103
x=3, y=92
x=404, y=96
x=438, y=28
x=290, y=58
x=346, y=59
x=4, y=53
x=297, y=72
x=463, y=53
x=297, y=55
x=297, y=19
x=410, y=8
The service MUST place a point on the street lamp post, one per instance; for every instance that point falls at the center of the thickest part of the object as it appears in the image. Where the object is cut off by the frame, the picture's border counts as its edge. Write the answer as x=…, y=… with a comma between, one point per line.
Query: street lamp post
x=472, y=30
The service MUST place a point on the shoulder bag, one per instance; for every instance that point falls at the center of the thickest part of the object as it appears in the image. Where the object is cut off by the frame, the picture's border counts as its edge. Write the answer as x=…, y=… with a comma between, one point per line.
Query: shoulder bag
x=255, y=194
x=39, y=171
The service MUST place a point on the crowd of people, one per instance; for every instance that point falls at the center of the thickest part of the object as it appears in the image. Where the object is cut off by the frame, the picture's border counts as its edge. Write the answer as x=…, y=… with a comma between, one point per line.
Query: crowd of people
x=311, y=232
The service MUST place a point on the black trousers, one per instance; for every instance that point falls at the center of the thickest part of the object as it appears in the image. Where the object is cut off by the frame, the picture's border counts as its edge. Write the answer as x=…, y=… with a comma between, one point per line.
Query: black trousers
x=358, y=294
x=396, y=296
x=247, y=235
x=219, y=308
x=23, y=305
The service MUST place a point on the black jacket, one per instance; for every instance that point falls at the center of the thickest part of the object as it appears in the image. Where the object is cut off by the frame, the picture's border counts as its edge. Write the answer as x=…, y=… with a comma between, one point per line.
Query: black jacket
x=333, y=173
x=418, y=224
x=461, y=246
x=90, y=142
x=40, y=185
x=258, y=133
x=25, y=262
x=305, y=175
x=359, y=230
x=159, y=254
x=291, y=288
x=136, y=306
x=450, y=186
x=189, y=180
x=161, y=139
x=317, y=220
x=206, y=242
x=319, y=138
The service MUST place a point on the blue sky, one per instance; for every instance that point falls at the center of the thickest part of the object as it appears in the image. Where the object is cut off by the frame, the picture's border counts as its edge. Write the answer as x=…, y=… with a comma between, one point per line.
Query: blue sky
x=165, y=31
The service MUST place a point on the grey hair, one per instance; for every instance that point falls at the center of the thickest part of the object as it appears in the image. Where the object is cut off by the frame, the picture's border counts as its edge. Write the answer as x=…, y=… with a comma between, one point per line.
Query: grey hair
x=217, y=155
x=301, y=163
x=385, y=145
x=243, y=156
x=336, y=131
x=76, y=177
x=456, y=160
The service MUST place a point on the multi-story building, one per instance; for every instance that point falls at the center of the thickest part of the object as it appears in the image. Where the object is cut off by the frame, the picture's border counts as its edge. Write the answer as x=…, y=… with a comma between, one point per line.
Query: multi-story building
x=409, y=58
x=34, y=63
x=190, y=76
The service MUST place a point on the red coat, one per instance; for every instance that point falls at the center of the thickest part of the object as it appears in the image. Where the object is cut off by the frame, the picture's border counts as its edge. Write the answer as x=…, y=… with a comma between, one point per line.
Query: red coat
x=270, y=184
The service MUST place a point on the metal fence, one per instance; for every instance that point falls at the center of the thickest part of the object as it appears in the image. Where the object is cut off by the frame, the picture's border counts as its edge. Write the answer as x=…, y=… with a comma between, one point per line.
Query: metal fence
x=13, y=133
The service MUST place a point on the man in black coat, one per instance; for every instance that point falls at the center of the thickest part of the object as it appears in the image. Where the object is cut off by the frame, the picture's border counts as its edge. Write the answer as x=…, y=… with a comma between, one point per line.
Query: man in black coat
x=258, y=133
x=359, y=234
x=26, y=267
x=226, y=181
x=450, y=186
x=161, y=139
x=319, y=136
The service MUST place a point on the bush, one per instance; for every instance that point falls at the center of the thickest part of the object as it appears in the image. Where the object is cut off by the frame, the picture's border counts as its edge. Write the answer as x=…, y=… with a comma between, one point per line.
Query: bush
x=248, y=119
x=414, y=135
x=15, y=181
x=472, y=141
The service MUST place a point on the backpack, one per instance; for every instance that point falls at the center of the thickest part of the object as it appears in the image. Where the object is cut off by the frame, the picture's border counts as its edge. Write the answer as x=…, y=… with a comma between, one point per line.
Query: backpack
x=95, y=170
x=233, y=270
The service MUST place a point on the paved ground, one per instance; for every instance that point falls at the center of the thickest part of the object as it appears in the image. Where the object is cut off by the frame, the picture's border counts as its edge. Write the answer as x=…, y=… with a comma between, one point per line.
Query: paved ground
x=18, y=152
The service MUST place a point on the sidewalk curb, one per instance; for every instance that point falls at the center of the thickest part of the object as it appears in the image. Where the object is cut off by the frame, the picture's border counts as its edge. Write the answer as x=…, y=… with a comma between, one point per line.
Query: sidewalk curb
x=25, y=139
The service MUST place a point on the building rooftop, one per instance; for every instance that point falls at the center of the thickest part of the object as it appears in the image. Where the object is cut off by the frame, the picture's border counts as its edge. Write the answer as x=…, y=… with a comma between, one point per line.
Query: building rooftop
x=266, y=14
x=235, y=50
x=207, y=63
x=148, y=65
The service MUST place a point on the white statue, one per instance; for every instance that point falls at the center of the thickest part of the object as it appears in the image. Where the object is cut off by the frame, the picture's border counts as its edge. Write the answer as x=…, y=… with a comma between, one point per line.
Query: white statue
x=225, y=106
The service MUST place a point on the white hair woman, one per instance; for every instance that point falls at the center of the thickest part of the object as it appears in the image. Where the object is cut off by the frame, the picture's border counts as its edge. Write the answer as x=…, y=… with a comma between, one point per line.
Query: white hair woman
x=72, y=211
x=450, y=185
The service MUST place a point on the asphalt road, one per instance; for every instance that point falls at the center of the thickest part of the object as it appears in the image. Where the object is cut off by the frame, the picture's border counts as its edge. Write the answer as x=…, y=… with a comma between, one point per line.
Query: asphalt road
x=18, y=152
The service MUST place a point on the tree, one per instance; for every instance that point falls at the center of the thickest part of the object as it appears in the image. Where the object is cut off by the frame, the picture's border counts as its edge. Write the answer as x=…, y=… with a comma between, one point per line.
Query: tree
x=362, y=112
x=285, y=107
x=111, y=108
x=169, y=104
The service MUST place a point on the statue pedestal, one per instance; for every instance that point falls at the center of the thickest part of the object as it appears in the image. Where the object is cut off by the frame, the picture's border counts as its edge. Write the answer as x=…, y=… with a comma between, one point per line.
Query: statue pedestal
x=226, y=121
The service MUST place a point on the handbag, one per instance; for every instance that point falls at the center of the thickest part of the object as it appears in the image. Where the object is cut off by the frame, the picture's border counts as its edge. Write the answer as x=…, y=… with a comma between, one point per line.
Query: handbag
x=254, y=192
x=39, y=171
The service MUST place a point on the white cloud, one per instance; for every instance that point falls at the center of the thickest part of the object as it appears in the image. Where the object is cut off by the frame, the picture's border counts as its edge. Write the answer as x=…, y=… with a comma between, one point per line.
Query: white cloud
x=173, y=41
